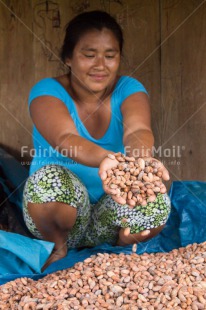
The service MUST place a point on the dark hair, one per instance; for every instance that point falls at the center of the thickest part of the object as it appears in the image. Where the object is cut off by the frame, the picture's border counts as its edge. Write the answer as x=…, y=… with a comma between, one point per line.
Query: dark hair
x=85, y=22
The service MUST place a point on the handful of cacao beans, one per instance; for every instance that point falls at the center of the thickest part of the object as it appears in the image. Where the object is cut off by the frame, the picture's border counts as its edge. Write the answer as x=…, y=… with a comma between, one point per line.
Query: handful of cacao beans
x=137, y=181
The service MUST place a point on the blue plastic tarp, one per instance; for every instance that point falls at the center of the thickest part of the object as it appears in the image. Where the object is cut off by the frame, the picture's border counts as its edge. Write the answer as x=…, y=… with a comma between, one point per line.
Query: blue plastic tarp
x=24, y=257
x=22, y=254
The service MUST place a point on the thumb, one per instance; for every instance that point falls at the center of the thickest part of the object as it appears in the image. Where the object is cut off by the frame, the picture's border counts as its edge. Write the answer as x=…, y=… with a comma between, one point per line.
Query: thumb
x=123, y=236
x=103, y=175
x=165, y=175
x=126, y=231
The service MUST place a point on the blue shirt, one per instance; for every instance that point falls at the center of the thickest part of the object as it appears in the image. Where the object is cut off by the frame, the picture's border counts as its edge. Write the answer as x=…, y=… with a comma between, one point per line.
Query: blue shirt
x=112, y=140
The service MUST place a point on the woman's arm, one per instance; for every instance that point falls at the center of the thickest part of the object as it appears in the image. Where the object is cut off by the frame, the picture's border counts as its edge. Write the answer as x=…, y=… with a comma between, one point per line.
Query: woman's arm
x=138, y=136
x=138, y=142
x=53, y=121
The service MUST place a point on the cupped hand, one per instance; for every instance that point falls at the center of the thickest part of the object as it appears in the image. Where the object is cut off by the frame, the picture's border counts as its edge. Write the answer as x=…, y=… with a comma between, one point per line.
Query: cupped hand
x=105, y=165
x=108, y=163
x=125, y=237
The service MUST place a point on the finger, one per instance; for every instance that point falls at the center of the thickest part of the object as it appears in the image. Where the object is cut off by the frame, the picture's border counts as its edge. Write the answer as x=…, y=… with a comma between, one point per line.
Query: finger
x=131, y=203
x=165, y=175
x=122, y=238
x=103, y=175
x=110, y=191
x=145, y=233
x=120, y=200
x=161, y=167
x=108, y=163
x=126, y=231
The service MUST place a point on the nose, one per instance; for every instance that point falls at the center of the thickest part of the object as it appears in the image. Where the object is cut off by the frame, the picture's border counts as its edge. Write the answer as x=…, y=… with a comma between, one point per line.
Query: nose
x=100, y=63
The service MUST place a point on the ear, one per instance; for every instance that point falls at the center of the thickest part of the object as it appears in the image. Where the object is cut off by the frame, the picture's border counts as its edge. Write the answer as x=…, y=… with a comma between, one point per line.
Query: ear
x=68, y=62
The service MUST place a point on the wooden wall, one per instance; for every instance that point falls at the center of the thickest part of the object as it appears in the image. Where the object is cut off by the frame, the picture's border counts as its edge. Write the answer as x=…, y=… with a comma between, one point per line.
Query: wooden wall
x=183, y=85
x=165, y=47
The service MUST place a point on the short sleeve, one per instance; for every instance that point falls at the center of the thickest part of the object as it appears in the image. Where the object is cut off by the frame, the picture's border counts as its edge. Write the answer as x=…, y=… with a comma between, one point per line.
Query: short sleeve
x=127, y=86
x=47, y=87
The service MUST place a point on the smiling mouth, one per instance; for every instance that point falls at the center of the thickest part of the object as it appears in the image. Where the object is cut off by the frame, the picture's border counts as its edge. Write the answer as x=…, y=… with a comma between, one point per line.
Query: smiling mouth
x=98, y=77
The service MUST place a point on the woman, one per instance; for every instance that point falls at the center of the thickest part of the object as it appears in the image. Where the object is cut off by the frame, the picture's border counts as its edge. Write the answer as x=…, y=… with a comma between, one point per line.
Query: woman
x=79, y=118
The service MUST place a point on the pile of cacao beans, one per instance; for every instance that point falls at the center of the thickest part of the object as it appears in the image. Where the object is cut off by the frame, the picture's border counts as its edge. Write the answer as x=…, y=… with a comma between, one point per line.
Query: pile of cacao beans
x=174, y=280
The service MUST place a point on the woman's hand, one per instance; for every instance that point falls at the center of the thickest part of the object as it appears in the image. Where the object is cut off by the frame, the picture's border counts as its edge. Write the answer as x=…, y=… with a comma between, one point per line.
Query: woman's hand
x=126, y=238
x=108, y=163
x=105, y=165
x=160, y=167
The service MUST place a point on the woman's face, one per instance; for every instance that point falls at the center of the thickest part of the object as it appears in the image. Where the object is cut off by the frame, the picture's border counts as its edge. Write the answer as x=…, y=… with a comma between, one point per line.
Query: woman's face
x=95, y=60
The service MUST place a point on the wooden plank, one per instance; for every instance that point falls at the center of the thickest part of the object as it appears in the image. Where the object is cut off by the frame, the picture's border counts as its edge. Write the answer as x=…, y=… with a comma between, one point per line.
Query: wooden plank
x=183, y=86
x=141, y=57
x=16, y=74
x=48, y=39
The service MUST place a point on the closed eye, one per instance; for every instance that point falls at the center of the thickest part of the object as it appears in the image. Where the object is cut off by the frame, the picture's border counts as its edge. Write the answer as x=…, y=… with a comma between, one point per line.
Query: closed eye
x=110, y=56
x=89, y=56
